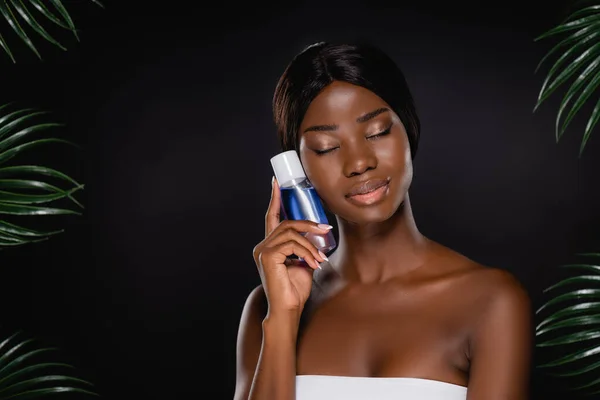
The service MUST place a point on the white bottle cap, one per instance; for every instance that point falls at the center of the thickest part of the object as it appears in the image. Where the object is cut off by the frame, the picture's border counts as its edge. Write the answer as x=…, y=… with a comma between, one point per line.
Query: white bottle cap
x=287, y=166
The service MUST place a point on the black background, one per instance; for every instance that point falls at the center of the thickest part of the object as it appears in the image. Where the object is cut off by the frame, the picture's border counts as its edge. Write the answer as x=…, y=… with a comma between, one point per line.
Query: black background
x=171, y=105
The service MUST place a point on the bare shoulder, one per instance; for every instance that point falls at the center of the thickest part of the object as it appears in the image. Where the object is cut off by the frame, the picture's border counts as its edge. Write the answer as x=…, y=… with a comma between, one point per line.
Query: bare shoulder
x=497, y=285
x=485, y=290
x=497, y=301
x=249, y=340
x=253, y=313
x=484, y=282
x=255, y=307
x=501, y=335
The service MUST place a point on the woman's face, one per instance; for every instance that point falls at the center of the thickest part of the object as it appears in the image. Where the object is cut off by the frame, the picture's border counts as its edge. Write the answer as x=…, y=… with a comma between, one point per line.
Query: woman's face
x=351, y=142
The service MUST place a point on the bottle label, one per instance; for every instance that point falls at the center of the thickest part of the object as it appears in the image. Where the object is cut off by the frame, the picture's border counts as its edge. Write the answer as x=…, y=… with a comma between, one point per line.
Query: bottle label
x=302, y=203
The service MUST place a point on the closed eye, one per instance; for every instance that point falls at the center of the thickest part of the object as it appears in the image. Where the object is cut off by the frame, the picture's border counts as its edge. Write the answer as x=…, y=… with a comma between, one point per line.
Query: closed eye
x=380, y=134
x=320, y=152
x=372, y=137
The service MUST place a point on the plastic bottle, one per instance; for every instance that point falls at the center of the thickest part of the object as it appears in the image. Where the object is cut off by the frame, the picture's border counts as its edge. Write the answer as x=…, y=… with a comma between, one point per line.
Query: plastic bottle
x=299, y=199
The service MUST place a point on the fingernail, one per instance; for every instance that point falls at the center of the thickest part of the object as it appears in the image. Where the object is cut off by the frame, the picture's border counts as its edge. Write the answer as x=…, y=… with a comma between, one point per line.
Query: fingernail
x=323, y=256
x=273, y=181
x=325, y=226
x=316, y=264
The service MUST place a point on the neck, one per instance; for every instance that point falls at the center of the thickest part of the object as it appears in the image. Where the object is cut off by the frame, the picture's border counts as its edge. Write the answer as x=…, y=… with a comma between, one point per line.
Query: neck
x=380, y=251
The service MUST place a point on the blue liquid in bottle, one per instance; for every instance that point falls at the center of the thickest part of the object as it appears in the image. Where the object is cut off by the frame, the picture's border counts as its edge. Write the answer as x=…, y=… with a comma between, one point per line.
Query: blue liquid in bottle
x=299, y=201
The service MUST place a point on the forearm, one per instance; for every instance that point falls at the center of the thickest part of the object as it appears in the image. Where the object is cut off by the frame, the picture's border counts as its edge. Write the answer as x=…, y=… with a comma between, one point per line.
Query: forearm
x=275, y=375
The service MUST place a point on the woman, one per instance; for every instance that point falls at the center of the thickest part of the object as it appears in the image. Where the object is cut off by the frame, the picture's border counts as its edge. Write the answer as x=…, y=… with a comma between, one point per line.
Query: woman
x=391, y=314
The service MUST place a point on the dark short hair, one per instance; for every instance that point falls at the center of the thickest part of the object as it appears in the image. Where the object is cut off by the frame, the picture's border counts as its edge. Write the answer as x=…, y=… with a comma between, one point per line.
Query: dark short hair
x=322, y=63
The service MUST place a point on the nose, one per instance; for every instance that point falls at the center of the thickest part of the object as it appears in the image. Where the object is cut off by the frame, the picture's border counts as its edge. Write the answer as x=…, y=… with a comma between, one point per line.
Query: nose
x=358, y=159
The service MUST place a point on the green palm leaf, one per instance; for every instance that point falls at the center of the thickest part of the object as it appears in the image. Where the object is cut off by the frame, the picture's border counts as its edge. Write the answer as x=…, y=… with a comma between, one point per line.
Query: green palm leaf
x=577, y=309
x=580, y=61
x=27, y=190
x=24, y=376
x=572, y=319
x=22, y=15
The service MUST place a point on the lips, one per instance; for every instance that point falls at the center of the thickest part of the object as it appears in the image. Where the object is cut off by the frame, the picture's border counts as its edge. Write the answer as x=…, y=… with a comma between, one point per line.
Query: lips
x=367, y=187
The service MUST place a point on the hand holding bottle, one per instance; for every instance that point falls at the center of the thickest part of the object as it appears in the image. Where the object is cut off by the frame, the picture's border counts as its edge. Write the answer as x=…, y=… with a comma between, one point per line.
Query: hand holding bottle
x=287, y=283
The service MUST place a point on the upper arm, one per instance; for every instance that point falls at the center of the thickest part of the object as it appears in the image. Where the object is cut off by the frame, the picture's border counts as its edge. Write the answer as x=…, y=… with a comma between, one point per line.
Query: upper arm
x=249, y=342
x=501, y=343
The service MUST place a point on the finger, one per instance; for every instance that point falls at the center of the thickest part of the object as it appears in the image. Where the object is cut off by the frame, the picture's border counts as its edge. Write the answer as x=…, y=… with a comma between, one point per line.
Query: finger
x=290, y=234
x=273, y=216
x=294, y=262
x=302, y=226
x=286, y=249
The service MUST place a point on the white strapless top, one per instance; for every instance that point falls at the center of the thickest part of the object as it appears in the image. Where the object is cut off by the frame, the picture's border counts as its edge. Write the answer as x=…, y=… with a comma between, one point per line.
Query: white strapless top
x=326, y=387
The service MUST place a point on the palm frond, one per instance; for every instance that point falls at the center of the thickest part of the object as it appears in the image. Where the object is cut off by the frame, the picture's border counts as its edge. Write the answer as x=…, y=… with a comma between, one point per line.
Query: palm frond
x=580, y=62
x=22, y=14
x=25, y=189
x=572, y=320
x=24, y=375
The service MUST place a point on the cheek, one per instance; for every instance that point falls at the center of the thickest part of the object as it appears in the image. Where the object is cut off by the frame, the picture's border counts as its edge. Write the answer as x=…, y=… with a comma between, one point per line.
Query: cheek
x=320, y=175
x=393, y=155
x=314, y=168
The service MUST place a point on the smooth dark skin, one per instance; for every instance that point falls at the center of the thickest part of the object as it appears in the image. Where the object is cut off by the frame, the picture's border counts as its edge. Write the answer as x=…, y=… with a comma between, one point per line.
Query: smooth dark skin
x=391, y=302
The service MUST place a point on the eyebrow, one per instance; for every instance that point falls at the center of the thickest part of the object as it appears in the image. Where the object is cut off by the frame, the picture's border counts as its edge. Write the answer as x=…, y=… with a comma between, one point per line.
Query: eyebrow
x=363, y=118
